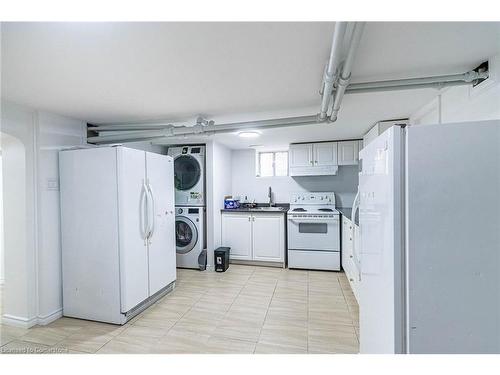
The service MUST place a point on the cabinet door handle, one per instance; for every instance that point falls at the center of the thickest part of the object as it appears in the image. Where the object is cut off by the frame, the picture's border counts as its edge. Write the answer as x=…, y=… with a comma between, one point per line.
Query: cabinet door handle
x=249, y=218
x=351, y=279
x=350, y=256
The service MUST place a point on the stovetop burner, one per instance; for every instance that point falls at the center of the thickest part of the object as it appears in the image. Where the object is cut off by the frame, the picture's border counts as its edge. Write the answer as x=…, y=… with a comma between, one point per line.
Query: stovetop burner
x=300, y=209
x=325, y=209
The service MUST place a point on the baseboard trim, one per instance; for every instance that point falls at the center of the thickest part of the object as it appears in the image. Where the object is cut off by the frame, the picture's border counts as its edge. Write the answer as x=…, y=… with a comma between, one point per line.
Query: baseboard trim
x=257, y=263
x=49, y=318
x=17, y=321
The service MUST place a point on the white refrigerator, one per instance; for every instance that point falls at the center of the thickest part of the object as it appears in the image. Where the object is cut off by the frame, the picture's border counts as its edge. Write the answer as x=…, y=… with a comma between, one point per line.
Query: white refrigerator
x=429, y=215
x=117, y=229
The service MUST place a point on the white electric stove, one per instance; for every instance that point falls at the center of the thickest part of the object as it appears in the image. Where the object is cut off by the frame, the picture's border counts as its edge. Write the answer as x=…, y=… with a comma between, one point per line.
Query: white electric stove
x=313, y=232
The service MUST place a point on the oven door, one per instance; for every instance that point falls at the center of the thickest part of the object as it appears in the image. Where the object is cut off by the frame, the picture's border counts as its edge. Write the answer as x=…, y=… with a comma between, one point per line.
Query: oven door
x=321, y=234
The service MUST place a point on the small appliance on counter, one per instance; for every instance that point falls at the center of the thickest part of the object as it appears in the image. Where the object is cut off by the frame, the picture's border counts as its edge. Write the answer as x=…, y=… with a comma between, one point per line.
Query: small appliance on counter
x=221, y=256
x=230, y=203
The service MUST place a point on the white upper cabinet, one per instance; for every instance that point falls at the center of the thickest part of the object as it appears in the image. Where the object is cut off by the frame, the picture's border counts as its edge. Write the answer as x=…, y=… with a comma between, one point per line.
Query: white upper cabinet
x=301, y=155
x=325, y=154
x=321, y=158
x=348, y=152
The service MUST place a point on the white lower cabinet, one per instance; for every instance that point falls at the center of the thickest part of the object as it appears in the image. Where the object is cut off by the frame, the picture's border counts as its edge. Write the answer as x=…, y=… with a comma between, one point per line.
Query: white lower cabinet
x=254, y=236
x=237, y=234
x=350, y=249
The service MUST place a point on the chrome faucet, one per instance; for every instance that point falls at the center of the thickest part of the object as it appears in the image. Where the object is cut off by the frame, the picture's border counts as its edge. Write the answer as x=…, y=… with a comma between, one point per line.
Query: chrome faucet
x=270, y=195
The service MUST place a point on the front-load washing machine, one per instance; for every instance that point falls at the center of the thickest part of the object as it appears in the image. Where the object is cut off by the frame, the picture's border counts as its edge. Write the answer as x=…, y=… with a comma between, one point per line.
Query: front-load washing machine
x=189, y=235
x=189, y=175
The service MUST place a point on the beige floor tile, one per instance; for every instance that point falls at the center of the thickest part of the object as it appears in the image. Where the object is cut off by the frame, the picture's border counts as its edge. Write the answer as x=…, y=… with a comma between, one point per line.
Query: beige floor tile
x=259, y=312
x=265, y=348
x=281, y=304
x=23, y=347
x=12, y=331
x=224, y=345
x=239, y=329
x=129, y=345
x=288, y=320
x=199, y=321
x=329, y=317
x=5, y=338
x=45, y=335
x=148, y=332
x=87, y=340
x=70, y=325
x=104, y=328
x=182, y=342
x=57, y=350
x=282, y=334
x=326, y=341
x=246, y=309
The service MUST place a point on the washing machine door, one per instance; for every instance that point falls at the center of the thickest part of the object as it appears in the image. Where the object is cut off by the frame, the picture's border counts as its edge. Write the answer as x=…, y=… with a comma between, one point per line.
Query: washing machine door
x=186, y=235
x=187, y=172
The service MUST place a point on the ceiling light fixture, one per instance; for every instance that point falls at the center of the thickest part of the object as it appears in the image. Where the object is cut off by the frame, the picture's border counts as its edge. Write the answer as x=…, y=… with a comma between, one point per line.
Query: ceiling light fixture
x=248, y=134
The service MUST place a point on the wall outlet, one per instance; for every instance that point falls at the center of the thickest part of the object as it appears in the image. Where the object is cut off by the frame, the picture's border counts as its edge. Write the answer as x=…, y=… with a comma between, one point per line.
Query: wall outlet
x=52, y=184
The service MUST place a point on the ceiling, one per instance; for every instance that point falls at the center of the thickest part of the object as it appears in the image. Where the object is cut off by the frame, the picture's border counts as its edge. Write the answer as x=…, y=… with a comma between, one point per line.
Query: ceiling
x=118, y=72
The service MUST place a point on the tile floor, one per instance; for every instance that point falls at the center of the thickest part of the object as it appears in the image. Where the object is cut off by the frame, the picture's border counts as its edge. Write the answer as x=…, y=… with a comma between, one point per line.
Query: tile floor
x=244, y=310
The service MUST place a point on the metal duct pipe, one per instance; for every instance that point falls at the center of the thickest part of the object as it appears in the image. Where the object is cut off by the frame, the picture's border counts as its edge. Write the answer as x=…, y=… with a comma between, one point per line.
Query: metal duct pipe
x=128, y=127
x=436, y=81
x=332, y=67
x=136, y=136
x=345, y=74
x=436, y=86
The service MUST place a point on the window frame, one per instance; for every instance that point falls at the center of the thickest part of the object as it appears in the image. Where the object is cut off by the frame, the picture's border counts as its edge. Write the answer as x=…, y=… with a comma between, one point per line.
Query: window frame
x=259, y=165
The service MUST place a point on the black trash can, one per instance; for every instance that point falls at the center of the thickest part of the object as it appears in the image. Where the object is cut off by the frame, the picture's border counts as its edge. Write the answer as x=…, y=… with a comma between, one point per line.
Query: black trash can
x=221, y=256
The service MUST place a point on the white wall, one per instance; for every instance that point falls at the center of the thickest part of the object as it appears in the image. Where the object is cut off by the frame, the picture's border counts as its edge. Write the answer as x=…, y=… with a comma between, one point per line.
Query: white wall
x=18, y=156
x=54, y=133
x=30, y=144
x=218, y=179
x=244, y=182
x=2, y=268
x=464, y=103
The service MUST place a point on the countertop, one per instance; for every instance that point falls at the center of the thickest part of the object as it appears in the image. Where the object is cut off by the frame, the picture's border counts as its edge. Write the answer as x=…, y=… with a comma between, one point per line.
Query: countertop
x=347, y=212
x=281, y=208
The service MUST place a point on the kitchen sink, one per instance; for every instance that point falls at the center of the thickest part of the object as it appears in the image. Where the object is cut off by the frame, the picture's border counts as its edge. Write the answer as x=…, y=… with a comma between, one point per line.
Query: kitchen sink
x=268, y=208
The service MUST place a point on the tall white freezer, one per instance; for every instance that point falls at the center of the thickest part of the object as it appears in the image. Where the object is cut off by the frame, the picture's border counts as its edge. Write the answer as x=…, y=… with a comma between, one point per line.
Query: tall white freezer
x=117, y=226
x=430, y=240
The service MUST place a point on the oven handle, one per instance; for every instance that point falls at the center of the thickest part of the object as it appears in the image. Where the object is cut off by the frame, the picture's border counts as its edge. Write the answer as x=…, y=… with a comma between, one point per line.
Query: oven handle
x=313, y=220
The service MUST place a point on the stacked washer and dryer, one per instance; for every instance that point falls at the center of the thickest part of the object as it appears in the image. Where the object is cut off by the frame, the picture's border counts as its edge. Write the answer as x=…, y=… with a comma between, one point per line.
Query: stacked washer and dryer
x=189, y=180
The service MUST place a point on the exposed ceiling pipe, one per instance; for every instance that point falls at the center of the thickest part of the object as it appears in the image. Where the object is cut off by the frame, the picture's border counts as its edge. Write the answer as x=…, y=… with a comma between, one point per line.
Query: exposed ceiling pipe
x=409, y=83
x=176, y=131
x=129, y=127
x=136, y=132
x=336, y=81
x=345, y=74
x=332, y=67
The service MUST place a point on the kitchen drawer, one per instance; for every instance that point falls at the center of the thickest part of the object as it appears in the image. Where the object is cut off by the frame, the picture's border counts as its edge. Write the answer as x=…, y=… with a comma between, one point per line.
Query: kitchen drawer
x=318, y=260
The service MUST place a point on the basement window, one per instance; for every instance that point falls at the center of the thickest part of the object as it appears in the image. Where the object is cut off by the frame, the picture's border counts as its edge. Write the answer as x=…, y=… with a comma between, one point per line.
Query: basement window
x=272, y=164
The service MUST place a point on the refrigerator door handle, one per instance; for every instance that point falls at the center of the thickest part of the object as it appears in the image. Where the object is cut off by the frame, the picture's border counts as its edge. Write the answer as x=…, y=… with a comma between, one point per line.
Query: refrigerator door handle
x=355, y=207
x=143, y=220
x=152, y=213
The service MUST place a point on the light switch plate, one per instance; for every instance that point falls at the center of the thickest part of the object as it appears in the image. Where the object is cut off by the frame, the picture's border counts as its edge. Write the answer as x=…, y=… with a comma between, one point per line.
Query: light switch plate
x=53, y=184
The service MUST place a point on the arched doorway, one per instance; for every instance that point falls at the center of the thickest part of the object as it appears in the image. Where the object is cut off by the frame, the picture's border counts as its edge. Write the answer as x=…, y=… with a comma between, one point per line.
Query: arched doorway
x=14, y=254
